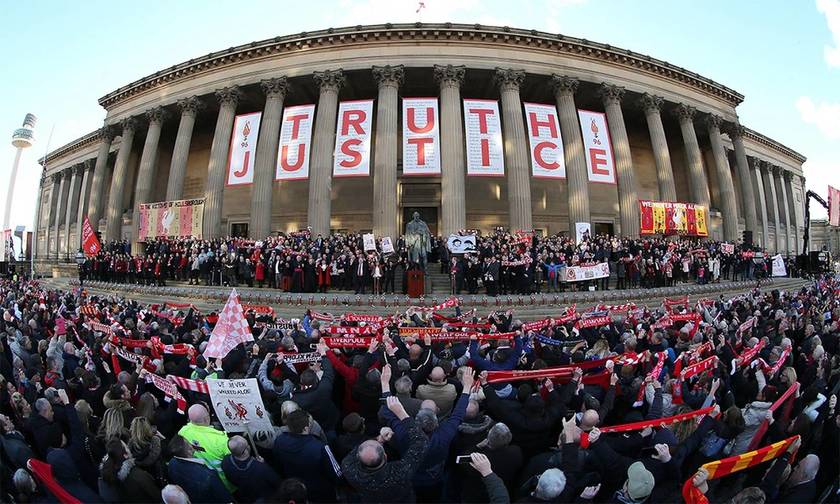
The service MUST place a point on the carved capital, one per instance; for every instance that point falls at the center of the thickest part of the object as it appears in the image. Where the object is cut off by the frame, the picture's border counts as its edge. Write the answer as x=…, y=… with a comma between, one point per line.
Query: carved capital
x=685, y=112
x=509, y=79
x=330, y=80
x=764, y=166
x=734, y=130
x=190, y=106
x=563, y=84
x=89, y=164
x=777, y=170
x=449, y=75
x=389, y=75
x=128, y=124
x=276, y=87
x=651, y=103
x=56, y=177
x=78, y=169
x=107, y=133
x=611, y=93
x=229, y=95
x=156, y=115
x=713, y=121
x=787, y=175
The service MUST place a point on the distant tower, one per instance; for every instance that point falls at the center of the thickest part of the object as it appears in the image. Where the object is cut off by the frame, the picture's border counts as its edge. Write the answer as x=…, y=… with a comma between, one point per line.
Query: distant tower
x=22, y=138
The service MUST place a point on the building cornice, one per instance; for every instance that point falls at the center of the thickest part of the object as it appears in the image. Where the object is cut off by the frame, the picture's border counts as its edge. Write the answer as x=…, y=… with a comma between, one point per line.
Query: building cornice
x=331, y=37
x=757, y=137
x=71, y=147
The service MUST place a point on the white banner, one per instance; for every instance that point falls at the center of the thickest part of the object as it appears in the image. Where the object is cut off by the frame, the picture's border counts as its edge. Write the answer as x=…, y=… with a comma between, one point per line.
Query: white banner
x=421, y=136
x=779, y=266
x=461, y=244
x=727, y=248
x=352, y=139
x=485, y=151
x=581, y=229
x=237, y=403
x=369, y=242
x=243, y=149
x=547, y=159
x=295, y=143
x=387, y=245
x=585, y=272
x=600, y=162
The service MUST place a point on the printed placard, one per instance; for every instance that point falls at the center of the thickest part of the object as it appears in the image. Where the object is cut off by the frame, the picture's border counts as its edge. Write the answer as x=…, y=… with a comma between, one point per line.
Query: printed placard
x=239, y=406
x=600, y=163
x=485, y=151
x=295, y=143
x=243, y=149
x=547, y=157
x=421, y=136
x=352, y=139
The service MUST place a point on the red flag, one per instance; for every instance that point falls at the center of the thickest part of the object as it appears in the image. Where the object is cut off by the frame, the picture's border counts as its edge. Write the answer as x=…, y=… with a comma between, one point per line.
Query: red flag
x=90, y=243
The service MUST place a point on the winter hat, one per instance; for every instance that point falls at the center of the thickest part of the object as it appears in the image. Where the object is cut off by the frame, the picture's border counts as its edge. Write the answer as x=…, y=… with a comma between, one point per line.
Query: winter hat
x=640, y=481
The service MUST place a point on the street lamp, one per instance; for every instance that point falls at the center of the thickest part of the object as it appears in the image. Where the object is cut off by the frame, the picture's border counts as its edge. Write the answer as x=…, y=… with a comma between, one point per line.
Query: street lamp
x=80, y=260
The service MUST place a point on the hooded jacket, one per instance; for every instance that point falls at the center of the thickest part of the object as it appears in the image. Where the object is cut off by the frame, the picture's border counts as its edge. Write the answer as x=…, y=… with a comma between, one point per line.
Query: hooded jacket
x=134, y=484
x=305, y=457
x=254, y=479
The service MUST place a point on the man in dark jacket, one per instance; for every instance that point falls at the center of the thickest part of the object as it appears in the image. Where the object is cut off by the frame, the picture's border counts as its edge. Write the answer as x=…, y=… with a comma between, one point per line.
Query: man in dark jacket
x=13, y=444
x=46, y=431
x=315, y=395
x=799, y=486
x=193, y=475
x=304, y=456
x=376, y=480
x=253, y=478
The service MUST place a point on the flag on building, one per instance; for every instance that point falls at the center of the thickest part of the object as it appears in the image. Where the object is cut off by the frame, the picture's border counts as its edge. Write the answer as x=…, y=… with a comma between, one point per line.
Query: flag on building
x=833, y=206
x=231, y=329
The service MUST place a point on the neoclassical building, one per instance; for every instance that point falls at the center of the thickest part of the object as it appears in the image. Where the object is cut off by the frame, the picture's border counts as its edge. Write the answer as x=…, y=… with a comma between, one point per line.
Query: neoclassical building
x=675, y=136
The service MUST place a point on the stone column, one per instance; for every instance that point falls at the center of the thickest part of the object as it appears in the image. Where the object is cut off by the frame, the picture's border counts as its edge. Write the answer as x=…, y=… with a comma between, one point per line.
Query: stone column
x=736, y=134
x=576, y=174
x=323, y=145
x=146, y=173
x=794, y=214
x=36, y=250
x=180, y=154
x=729, y=207
x=76, y=173
x=60, y=210
x=628, y=198
x=61, y=177
x=452, y=161
x=228, y=99
x=100, y=173
x=652, y=105
x=760, y=202
x=87, y=183
x=697, y=183
x=385, y=153
x=772, y=204
x=516, y=150
x=779, y=174
x=265, y=164
x=113, y=226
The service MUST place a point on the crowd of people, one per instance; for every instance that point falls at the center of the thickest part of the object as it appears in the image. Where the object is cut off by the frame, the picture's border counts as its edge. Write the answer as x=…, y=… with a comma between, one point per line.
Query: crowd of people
x=436, y=406
x=503, y=263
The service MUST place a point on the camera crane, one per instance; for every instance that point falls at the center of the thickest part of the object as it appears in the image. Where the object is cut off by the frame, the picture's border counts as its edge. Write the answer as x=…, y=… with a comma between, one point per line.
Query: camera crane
x=808, y=195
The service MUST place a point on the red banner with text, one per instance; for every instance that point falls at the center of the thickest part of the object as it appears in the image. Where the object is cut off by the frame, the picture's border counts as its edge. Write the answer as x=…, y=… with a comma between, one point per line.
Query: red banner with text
x=669, y=218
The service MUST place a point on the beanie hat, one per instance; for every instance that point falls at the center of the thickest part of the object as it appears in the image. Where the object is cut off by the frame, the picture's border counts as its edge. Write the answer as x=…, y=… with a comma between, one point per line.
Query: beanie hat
x=640, y=481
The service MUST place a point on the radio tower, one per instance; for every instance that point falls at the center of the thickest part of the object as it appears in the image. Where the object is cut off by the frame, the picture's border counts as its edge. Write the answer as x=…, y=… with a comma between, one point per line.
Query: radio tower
x=22, y=138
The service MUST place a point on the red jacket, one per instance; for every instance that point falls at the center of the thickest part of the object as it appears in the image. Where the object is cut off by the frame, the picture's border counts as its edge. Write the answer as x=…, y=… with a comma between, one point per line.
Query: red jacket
x=350, y=375
x=260, y=273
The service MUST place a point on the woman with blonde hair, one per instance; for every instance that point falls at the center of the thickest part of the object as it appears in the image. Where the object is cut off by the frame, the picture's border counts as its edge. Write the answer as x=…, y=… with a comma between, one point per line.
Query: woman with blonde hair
x=144, y=445
x=599, y=350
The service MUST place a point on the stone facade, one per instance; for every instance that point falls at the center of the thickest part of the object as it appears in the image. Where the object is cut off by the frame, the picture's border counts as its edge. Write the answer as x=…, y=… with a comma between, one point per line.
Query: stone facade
x=675, y=136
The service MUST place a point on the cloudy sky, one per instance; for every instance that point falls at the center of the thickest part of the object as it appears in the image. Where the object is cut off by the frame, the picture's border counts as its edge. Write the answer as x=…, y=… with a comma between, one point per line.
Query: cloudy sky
x=60, y=57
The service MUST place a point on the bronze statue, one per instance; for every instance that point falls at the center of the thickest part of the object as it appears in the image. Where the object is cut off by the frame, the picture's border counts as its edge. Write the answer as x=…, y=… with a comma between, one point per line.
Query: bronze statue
x=418, y=241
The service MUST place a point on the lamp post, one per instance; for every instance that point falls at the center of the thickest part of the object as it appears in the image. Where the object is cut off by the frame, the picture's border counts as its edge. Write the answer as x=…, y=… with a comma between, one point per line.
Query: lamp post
x=80, y=260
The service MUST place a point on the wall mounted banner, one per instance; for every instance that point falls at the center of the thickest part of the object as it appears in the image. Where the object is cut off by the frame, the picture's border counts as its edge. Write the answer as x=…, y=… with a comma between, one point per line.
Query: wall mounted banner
x=485, y=152
x=421, y=136
x=833, y=206
x=295, y=143
x=666, y=217
x=171, y=219
x=600, y=163
x=243, y=149
x=352, y=139
x=547, y=159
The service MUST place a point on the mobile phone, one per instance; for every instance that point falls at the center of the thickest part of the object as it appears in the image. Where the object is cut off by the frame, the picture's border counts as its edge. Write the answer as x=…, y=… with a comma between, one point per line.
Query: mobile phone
x=463, y=460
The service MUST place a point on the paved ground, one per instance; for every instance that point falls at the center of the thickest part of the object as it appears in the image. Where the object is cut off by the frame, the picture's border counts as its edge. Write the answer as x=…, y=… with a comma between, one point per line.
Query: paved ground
x=292, y=305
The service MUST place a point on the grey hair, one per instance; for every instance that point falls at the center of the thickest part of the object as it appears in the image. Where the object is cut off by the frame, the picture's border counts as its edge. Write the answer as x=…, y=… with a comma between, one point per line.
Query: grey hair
x=403, y=385
x=41, y=405
x=499, y=436
x=373, y=376
x=551, y=484
x=23, y=482
x=427, y=420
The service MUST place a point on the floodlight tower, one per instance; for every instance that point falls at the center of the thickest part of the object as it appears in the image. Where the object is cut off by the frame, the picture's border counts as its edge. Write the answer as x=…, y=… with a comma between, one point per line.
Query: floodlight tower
x=22, y=138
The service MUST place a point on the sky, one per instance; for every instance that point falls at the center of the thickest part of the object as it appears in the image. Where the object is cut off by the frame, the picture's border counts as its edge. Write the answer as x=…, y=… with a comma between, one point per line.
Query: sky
x=61, y=57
